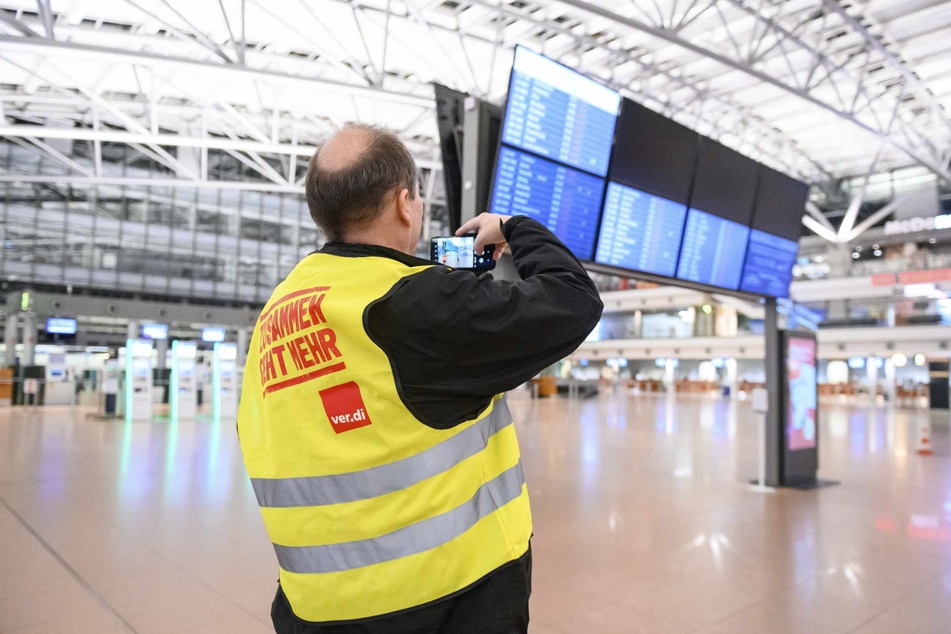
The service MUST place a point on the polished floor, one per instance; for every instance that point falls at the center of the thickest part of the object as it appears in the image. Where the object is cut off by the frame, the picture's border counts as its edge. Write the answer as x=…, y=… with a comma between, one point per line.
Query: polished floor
x=642, y=523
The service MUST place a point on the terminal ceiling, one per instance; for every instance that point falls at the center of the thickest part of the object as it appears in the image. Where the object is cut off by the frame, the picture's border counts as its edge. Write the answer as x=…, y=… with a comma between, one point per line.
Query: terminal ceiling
x=819, y=89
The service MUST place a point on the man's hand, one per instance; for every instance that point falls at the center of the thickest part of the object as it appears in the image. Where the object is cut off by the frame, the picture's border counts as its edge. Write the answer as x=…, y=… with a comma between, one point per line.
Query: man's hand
x=488, y=229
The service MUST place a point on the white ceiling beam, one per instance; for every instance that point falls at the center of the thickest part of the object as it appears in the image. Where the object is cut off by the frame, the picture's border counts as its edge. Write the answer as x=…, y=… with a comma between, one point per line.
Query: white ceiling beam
x=174, y=140
x=819, y=229
x=728, y=62
x=46, y=49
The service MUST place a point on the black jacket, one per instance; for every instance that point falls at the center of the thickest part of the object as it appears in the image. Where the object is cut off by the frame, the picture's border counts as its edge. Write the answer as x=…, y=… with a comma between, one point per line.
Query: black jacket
x=455, y=340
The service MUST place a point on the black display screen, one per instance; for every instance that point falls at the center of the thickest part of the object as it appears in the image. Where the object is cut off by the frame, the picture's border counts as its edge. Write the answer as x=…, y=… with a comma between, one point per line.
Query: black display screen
x=653, y=154
x=780, y=203
x=725, y=184
x=565, y=200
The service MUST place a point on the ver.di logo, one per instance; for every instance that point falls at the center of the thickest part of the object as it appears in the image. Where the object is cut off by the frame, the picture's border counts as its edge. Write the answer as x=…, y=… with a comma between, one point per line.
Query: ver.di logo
x=344, y=407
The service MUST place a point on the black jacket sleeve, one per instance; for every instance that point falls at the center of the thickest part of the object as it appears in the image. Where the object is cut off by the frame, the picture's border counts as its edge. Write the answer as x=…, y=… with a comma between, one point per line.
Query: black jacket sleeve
x=455, y=340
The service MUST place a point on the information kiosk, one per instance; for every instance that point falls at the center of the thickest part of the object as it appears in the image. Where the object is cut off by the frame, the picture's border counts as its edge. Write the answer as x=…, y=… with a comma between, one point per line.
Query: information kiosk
x=183, y=392
x=138, y=379
x=224, y=381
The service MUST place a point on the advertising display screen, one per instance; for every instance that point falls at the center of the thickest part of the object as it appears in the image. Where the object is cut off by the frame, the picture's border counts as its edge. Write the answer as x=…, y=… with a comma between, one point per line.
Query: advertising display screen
x=769, y=262
x=803, y=397
x=213, y=334
x=565, y=200
x=712, y=251
x=154, y=331
x=640, y=231
x=60, y=326
x=560, y=114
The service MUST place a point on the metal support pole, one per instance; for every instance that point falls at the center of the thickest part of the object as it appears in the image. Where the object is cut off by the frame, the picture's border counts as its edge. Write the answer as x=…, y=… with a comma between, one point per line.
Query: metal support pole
x=11, y=337
x=29, y=339
x=774, y=417
x=132, y=329
x=161, y=347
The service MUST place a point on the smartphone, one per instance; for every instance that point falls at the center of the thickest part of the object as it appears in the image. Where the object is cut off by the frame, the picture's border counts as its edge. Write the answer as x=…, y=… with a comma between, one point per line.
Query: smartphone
x=457, y=252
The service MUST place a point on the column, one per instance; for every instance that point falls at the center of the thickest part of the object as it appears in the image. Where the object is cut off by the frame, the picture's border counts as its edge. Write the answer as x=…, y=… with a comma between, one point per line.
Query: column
x=670, y=378
x=890, y=374
x=11, y=337
x=727, y=321
x=638, y=324
x=161, y=348
x=243, y=342
x=29, y=339
x=132, y=330
x=732, y=373
x=871, y=369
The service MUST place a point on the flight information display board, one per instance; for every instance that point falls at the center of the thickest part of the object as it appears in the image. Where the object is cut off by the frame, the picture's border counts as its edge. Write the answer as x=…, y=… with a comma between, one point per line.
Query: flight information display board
x=725, y=184
x=712, y=251
x=780, y=204
x=560, y=114
x=565, y=200
x=769, y=262
x=640, y=231
x=652, y=153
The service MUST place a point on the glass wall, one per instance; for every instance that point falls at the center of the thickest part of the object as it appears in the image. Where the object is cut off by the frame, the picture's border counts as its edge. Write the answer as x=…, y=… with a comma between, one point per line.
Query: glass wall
x=190, y=242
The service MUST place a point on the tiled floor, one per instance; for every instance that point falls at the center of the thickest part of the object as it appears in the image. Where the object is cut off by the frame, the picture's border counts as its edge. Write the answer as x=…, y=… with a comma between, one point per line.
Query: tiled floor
x=642, y=524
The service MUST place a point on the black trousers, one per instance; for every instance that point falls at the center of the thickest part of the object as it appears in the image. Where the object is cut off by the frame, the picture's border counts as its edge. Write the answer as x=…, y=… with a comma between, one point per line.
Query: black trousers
x=496, y=604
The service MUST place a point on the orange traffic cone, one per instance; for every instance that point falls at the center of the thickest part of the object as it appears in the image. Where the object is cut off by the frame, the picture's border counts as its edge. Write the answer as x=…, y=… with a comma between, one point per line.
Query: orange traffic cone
x=924, y=439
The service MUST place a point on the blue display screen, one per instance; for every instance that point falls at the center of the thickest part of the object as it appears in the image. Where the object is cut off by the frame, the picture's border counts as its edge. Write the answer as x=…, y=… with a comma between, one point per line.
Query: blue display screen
x=60, y=326
x=565, y=200
x=769, y=262
x=155, y=331
x=713, y=250
x=640, y=231
x=213, y=334
x=560, y=114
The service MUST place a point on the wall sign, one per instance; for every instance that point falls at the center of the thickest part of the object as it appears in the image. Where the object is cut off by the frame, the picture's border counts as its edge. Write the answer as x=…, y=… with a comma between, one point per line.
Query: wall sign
x=915, y=225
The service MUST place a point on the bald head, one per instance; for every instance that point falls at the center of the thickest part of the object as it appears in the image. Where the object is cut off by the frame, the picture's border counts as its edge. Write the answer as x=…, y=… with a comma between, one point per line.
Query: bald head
x=354, y=176
x=343, y=149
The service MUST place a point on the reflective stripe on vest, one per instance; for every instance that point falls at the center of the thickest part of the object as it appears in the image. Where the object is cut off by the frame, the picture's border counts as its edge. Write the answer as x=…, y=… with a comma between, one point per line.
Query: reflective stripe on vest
x=416, y=538
x=377, y=481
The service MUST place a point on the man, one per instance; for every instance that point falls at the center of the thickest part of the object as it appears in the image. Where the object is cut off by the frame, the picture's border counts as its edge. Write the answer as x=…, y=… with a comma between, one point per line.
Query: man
x=373, y=422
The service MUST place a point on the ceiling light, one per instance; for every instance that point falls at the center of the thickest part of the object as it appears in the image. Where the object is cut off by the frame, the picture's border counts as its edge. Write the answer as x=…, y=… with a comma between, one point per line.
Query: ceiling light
x=899, y=360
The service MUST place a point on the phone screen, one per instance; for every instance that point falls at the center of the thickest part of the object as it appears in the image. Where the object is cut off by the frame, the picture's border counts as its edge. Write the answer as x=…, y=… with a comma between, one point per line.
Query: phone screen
x=457, y=252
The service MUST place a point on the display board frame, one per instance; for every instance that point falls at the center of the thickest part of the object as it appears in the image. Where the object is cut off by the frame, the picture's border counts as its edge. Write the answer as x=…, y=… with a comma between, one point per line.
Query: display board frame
x=589, y=258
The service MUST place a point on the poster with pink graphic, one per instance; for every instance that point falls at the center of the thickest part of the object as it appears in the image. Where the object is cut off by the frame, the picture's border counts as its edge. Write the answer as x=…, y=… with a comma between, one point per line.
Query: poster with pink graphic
x=801, y=375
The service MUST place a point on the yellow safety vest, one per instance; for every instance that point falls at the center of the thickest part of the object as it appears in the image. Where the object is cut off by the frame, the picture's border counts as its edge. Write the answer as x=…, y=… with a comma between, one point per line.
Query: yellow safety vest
x=370, y=511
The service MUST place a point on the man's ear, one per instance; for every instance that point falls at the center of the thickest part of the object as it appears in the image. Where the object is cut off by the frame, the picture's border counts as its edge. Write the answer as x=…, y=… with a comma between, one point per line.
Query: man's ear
x=403, y=209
